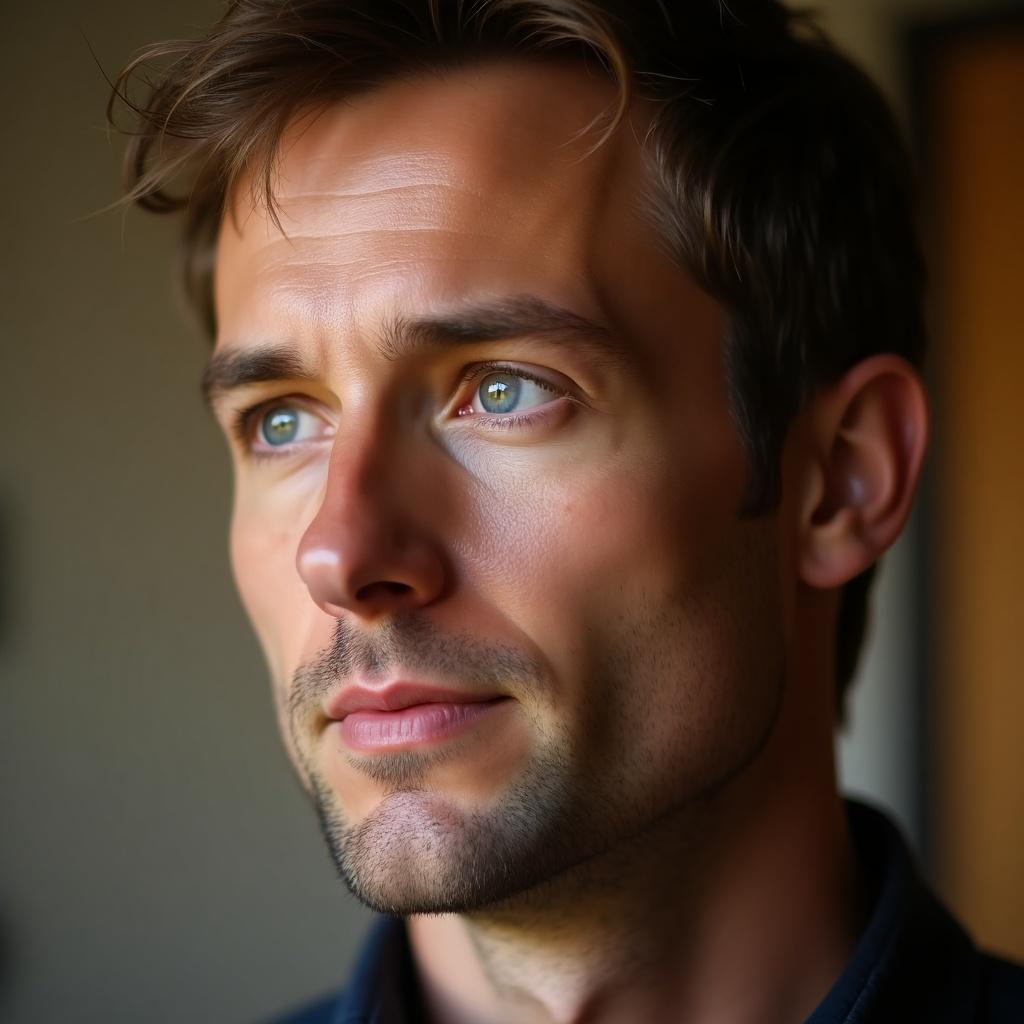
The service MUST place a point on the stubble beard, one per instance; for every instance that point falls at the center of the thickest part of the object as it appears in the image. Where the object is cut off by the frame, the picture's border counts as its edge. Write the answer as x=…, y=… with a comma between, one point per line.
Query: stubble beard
x=419, y=851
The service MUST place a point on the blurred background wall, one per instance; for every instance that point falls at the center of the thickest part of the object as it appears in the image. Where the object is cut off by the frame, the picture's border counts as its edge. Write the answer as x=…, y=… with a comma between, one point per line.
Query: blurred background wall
x=158, y=862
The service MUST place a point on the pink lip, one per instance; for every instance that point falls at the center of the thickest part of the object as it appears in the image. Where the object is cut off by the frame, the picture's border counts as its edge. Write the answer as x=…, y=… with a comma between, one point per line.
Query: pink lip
x=379, y=731
x=403, y=714
x=396, y=697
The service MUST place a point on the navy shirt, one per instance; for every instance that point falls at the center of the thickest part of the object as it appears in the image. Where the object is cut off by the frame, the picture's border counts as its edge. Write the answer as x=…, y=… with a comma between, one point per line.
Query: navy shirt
x=913, y=962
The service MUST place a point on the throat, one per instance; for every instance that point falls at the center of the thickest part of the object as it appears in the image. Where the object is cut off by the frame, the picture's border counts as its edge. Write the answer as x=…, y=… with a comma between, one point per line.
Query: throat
x=753, y=933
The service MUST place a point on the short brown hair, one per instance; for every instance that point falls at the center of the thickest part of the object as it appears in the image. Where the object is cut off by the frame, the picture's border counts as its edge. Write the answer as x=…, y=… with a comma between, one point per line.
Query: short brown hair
x=778, y=176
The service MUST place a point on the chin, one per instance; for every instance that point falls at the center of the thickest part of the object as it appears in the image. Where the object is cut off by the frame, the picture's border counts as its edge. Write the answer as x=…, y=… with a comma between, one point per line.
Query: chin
x=420, y=852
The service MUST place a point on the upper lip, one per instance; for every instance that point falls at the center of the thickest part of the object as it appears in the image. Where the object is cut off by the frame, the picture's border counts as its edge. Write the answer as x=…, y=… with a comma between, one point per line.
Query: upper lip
x=396, y=696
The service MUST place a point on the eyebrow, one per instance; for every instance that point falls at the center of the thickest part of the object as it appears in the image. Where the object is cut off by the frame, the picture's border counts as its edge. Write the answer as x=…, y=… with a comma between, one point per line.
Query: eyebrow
x=401, y=337
x=511, y=317
x=235, y=368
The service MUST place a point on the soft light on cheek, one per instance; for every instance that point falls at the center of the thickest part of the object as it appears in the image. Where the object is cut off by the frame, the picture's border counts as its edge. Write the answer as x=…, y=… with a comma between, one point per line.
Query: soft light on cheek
x=595, y=546
x=272, y=592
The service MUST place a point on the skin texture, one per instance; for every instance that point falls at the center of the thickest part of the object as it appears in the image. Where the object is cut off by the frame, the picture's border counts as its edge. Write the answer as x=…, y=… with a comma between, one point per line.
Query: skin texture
x=608, y=843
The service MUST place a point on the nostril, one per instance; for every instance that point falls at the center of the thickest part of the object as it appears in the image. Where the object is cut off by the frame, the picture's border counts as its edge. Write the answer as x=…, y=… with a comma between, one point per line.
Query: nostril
x=382, y=589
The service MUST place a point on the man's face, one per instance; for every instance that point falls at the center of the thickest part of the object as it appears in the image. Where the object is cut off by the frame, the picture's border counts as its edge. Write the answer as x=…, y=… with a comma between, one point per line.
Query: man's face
x=465, y=488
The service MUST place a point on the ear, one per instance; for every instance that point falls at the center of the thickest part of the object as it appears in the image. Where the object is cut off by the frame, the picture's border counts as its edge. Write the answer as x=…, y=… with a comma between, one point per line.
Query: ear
x=868, y=433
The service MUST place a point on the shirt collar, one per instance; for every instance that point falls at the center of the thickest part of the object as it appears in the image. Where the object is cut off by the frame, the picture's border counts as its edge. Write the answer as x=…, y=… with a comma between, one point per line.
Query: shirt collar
x=913, y=961
x=383, y=988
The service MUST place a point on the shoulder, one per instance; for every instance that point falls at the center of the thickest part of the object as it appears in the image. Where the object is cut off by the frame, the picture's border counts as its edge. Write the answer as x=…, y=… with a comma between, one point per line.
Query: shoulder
x=1001, y=990
x=323, y=1011
x=381, y=986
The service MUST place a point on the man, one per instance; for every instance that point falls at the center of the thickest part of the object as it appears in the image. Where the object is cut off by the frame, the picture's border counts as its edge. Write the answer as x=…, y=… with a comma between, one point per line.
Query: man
x=567, y=354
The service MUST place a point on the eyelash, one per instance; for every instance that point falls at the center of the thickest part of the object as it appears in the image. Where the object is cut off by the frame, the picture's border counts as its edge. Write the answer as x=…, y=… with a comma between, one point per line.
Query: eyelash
x=243, y=420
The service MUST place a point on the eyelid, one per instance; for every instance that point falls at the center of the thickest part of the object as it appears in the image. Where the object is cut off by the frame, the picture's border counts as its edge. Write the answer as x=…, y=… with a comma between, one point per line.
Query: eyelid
x=479, y=370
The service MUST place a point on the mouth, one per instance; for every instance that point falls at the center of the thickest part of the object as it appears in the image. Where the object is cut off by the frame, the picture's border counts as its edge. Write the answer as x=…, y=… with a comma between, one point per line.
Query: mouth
x=404, y=716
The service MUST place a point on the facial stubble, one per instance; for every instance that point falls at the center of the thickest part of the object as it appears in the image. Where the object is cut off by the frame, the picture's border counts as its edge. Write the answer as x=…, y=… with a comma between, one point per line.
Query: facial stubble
x=420, y=852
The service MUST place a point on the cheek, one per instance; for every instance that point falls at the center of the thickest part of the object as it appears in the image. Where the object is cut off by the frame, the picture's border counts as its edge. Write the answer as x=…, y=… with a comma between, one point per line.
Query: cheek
x=652, y=602
x=597, y=525
x=272, y=592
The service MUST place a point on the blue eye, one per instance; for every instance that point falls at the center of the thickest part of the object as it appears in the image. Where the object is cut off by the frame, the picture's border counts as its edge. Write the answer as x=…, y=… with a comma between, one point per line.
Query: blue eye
x=284, y=424
x=504, y=391
x=499, y=392
x=279, y=426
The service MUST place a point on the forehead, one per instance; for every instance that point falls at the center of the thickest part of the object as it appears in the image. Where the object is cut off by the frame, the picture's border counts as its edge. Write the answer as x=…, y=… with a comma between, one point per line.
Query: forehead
x=438, y=188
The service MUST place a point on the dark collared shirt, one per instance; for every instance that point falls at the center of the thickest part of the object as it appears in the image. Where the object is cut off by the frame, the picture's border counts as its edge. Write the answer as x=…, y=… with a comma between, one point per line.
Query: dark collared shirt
x=913, y=963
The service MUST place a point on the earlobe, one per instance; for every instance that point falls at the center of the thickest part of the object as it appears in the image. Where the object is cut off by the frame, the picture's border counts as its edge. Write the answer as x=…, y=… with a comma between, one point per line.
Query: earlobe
x=870, y=433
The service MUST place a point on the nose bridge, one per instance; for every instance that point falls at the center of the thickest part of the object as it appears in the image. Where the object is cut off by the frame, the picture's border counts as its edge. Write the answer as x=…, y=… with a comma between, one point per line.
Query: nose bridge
x=368, y=548
x=362, y=460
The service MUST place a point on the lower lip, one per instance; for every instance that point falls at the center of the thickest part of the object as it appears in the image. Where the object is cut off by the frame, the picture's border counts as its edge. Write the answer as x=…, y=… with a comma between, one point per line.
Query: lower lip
x=413, y=726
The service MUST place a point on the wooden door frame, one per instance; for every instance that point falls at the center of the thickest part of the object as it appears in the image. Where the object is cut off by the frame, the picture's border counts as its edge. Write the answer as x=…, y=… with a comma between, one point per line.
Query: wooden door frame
x=923, y=45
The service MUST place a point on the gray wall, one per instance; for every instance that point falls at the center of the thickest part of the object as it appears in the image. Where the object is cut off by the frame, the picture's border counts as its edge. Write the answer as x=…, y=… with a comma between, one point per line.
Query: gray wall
x=158, y=861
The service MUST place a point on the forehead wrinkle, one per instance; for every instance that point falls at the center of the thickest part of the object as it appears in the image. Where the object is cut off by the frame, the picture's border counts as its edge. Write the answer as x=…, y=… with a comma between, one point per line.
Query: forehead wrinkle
x=331, y=291
x=396, y=148
x=337, y=184
x=322, y=182
x=327, y=266
x=316, y=195
x=328, y=256
x=325, y=171
x=398, y=232
x=333, y=159
x=388, y=214
x=351, y=190
x=322, y=301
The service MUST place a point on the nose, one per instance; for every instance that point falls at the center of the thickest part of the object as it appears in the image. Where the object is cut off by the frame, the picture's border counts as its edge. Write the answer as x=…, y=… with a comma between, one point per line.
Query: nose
x=363, y=553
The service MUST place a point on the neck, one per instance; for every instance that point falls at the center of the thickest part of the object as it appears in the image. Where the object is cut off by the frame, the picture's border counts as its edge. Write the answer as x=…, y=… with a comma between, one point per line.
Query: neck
x=744, y=908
